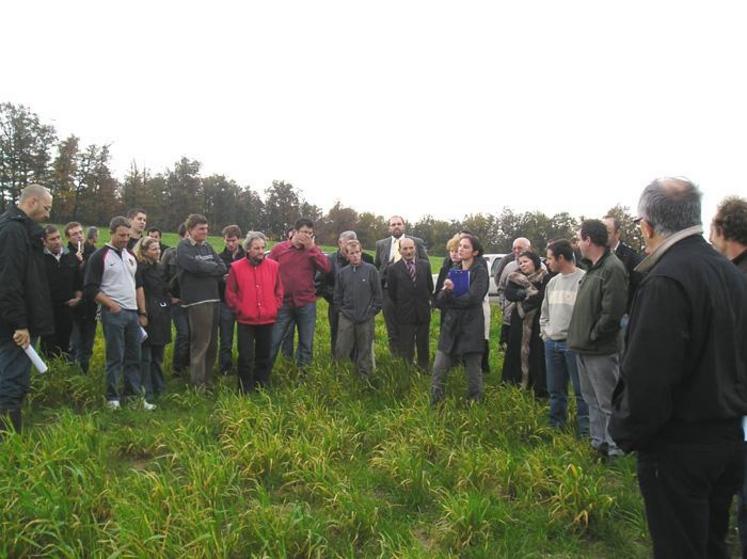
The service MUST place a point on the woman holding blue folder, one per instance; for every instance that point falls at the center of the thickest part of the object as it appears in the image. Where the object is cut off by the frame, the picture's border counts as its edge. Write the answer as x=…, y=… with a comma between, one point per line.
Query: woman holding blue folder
x=462, y=334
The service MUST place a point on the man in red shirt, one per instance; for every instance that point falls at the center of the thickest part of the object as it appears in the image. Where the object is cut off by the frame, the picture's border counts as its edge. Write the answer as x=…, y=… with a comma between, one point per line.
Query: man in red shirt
x=299, y=259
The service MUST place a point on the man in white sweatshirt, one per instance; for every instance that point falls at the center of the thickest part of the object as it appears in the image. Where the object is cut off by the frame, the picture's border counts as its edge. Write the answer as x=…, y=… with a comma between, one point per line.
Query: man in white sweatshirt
x=557, y=307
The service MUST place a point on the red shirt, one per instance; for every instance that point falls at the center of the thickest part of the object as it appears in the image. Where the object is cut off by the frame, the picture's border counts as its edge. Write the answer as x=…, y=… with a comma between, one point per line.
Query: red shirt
x=297, y=269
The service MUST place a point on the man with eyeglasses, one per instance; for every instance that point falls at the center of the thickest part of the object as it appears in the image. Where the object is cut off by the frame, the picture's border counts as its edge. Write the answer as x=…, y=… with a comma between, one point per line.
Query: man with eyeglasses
x=683, y=384
x=25, y=308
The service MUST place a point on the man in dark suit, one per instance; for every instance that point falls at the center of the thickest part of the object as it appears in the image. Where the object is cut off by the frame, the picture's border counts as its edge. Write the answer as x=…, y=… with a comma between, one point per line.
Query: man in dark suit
x=627, y=255
x=410, y=286
x=388, y=253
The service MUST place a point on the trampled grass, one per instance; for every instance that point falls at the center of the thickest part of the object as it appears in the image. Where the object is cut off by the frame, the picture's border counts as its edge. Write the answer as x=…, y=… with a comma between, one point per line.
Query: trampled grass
x=327, y=468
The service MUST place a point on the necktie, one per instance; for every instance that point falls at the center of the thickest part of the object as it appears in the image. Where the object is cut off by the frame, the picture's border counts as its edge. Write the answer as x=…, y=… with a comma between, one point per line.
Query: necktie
x=396, y=256
x=411, y=270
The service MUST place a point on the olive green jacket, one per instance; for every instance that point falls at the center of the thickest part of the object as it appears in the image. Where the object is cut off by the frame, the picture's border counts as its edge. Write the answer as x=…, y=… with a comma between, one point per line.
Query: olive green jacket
x=600, y=304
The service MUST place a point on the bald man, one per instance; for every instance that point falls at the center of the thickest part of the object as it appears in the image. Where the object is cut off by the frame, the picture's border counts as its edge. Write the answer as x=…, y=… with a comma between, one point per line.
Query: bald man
x=25, y=307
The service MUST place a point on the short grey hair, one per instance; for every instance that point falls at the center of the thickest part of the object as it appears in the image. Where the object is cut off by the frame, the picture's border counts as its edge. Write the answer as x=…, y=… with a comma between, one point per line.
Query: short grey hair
x=252, y=236
x=670, y=204
x=34, y=191
x=347, y=236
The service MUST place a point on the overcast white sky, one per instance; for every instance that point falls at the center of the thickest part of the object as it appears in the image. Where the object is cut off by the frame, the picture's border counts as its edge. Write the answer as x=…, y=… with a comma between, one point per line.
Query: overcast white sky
x=403, y=107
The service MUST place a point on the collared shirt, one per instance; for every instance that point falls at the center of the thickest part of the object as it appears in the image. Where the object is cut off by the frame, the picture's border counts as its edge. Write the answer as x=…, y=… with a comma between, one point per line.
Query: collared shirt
x=297, y=269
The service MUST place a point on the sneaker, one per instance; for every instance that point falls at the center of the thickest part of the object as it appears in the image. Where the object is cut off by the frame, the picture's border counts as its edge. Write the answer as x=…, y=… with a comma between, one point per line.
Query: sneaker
x=147, y=406
x=113, y=404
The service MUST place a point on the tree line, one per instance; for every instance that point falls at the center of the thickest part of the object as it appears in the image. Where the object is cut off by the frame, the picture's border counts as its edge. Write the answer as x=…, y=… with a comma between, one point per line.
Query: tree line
x=85, y=190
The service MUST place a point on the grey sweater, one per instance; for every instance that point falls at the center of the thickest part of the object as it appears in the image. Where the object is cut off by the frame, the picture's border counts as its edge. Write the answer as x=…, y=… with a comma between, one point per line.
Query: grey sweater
x=358, y=292
x=557, y=306
x=199, y=270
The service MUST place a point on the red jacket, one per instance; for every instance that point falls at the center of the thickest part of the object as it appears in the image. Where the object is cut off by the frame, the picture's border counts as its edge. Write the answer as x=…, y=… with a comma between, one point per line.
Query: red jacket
x=255, y=293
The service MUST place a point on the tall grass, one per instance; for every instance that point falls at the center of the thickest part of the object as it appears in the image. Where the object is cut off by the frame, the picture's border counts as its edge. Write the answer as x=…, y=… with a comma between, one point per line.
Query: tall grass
x=329, y=468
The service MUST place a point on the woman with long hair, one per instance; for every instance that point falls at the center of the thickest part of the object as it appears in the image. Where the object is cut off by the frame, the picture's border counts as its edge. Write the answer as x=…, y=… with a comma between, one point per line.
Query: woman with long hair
x=524, y=362
x=462, y=334
x=157, y=319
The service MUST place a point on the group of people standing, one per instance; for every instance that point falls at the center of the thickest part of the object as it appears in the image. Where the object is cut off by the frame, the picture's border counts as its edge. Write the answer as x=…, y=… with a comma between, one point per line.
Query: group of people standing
x=655, y=348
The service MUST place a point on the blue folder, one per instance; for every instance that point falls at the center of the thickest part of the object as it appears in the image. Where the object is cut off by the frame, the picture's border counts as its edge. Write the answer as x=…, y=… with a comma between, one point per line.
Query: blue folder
x=460, y=279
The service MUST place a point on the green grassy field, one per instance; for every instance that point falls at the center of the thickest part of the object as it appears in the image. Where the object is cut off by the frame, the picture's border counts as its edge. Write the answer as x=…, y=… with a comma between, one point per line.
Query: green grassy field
x=329, y=468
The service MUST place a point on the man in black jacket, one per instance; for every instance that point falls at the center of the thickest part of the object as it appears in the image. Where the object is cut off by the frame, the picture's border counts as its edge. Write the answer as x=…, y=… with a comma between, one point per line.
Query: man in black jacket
x=25, y=309
x=65, y=288
x=410, y=287
x=232, y=251
x=84, y=314
x=683, y=385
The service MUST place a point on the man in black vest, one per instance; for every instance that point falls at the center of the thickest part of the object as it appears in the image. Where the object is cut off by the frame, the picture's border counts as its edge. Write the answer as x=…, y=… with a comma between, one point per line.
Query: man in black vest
x=683, y=385
x=410, y=287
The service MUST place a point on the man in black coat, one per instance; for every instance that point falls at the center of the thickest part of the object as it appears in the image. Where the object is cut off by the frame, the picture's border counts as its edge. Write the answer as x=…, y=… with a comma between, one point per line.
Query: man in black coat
x=388, y=253
x=84, y=314
x=65, y=289
x=25, y=309
x=683, y=385
x=410, y=287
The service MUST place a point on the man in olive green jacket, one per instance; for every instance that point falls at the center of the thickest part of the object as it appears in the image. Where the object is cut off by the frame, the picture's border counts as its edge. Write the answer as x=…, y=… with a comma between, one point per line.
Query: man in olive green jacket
x=593, y=332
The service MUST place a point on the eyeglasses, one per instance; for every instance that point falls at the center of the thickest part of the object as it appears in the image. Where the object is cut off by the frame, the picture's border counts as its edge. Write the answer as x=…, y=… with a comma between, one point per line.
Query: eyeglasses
x=637, y=220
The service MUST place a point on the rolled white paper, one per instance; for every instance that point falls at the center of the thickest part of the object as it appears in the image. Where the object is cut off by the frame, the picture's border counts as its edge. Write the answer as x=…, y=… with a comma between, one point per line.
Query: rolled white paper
x=143, y=335
x=36, y=361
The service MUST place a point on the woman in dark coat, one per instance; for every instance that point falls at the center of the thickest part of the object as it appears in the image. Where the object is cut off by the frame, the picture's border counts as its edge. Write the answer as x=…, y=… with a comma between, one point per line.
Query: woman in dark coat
x=155, y=291
x=462, y=334
x=524, y=363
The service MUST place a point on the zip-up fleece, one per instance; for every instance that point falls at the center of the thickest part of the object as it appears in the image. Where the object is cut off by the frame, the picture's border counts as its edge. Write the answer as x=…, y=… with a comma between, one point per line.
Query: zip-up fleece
x=255, y=293
x=600, y=304
x=199, y=271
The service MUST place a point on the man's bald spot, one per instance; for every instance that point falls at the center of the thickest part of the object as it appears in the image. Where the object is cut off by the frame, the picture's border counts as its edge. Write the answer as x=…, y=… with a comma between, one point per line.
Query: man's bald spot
x=522, y=242
x=406, y=241
x=35, y=191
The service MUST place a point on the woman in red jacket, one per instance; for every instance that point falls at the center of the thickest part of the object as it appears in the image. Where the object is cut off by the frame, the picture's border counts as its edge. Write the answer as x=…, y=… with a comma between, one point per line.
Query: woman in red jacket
x=255, y=293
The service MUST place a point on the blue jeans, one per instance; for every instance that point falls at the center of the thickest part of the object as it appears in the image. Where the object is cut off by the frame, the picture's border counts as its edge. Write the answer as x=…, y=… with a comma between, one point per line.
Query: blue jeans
x=561, y=365
x=15, y=375
x=122, y=336
x=227, y=326
x=151, y=369
x=305, y=319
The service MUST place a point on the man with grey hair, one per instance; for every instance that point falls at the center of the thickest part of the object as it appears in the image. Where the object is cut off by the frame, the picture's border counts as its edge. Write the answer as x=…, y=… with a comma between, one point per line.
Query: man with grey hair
x=326, y=282
x=387, y=253
x=25, y=307
x=507, y=265
x=683, y=386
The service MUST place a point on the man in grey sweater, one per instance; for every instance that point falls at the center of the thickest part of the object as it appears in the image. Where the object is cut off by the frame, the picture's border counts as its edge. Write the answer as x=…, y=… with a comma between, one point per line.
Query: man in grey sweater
x=557, y=308
x=358, y=298
x=199, y=271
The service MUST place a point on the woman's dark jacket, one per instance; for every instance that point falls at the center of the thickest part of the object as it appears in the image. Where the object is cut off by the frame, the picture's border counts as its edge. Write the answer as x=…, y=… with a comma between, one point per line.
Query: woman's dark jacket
x=462, y=319
x=157, y=302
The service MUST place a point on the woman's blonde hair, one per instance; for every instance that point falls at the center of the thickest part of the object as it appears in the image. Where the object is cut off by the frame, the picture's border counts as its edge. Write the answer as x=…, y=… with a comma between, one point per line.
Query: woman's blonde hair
x=142, y=246
x=453, y=243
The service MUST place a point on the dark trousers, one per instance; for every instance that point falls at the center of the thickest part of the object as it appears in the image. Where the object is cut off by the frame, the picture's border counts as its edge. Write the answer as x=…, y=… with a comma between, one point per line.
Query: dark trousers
x=742, y=506
x=333, y=314
x=687, y=490
x=15, y=375
x=412, y=336
x=227, y=327
x=441, y=365
x=180, y=357
x=254, y=366
x=151, y=370
x=58, y=344
x=82, y=339
x=390, y=319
